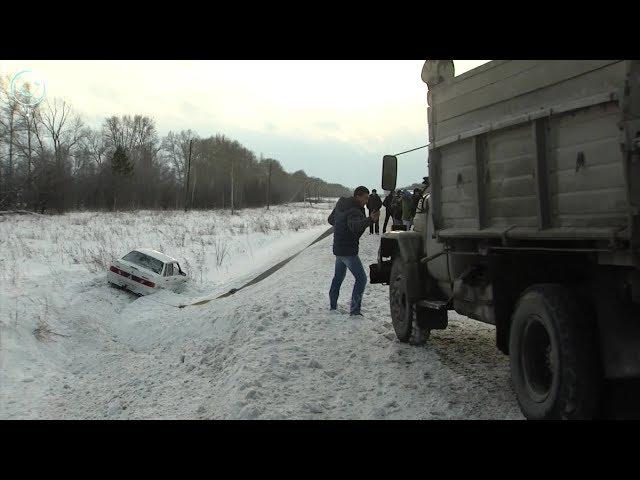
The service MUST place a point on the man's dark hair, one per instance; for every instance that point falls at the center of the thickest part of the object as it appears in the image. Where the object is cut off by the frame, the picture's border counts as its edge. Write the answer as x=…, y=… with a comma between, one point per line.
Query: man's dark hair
x=360, y=191
x=373, y=191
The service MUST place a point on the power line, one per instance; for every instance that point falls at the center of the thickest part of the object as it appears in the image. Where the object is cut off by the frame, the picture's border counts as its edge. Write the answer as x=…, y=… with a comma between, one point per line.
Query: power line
x=412, y=150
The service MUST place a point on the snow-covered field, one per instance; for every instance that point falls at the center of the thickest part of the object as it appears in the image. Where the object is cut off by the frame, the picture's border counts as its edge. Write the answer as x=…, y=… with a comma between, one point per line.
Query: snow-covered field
x=73, y=347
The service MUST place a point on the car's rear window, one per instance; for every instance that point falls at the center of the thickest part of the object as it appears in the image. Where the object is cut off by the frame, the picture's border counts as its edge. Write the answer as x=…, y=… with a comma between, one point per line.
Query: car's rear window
x=145, y=261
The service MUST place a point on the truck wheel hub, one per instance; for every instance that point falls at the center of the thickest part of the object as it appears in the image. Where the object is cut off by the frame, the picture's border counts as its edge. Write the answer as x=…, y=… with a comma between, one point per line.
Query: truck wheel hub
x=537, y=360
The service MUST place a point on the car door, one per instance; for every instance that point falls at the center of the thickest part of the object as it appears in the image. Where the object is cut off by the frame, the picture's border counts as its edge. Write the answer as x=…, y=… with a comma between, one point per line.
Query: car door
x=167, y=275
x=181, y=277
x=173, y=275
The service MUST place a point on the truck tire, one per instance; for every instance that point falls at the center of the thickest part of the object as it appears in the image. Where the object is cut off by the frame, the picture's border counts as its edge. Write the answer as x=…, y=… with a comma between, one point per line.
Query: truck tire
x=554, y=355
x=403, y=314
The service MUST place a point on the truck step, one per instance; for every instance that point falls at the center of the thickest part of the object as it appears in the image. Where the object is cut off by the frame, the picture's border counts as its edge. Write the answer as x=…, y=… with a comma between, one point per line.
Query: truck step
x=432, y=304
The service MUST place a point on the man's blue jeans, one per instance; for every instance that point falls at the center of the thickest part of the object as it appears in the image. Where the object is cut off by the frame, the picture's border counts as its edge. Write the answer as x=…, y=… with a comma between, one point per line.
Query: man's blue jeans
x=354, y=265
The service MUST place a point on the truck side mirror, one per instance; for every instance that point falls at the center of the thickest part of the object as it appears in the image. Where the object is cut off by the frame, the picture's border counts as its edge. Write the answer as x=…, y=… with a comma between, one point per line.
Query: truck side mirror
x=389, y=172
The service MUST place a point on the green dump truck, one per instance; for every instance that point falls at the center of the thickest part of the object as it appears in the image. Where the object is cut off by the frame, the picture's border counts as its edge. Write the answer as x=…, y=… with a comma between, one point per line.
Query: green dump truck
x=532, y=224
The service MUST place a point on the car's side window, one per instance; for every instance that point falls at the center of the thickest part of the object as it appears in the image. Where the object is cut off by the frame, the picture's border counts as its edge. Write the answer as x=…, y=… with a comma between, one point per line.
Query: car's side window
x=169, y=271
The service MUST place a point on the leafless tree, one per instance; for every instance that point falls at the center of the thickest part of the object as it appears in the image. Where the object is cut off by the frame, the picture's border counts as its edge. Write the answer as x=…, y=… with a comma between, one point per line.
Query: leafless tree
x=64, y=130
x=176, y=150
x=8, y=133
x=97, y=145
x=48, y=157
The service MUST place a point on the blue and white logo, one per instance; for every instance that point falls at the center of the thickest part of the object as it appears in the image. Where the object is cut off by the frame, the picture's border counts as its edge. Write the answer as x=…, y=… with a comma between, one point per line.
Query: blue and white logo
x=27, y=88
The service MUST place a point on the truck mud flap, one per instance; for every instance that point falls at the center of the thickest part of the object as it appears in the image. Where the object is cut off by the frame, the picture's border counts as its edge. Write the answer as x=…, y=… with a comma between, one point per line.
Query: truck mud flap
x=380, y=273
x=432, y=315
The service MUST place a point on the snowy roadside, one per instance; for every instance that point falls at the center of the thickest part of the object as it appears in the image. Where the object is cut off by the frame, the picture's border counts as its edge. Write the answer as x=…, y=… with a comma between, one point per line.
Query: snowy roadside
x=273, y=350
x=53, y=277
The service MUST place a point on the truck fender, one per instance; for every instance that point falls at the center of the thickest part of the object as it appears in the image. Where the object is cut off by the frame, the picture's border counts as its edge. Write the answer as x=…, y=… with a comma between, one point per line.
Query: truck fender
x=409, y=245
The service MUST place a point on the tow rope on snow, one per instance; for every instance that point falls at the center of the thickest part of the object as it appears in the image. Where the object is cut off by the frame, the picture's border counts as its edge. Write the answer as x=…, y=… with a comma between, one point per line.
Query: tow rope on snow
x=264, y=274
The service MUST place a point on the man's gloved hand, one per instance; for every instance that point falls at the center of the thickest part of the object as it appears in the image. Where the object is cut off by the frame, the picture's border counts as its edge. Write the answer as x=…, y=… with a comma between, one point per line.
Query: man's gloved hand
x=375, y=215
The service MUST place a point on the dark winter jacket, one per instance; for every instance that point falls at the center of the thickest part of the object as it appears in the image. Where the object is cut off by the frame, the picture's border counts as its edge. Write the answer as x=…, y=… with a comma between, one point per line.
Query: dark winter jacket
x=407, y=206
x=396, y=206
x=349, y=223
x=387, y=201
x=374, y=203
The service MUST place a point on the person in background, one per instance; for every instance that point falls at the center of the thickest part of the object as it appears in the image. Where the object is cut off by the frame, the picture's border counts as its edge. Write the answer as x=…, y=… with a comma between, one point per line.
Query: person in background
x=415, y=198
x=374, y=204
x=387, y=210
x=407, y=207
x=396, y=208
x=349, y=223
x=423, y=196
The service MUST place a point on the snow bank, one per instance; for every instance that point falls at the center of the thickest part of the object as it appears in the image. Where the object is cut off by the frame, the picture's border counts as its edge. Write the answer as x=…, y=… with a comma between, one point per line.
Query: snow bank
x=54, y=284
x=273, y=350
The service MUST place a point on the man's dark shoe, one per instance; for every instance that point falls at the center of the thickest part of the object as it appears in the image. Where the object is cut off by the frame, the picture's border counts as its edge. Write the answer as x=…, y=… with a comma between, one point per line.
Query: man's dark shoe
x=356, y=314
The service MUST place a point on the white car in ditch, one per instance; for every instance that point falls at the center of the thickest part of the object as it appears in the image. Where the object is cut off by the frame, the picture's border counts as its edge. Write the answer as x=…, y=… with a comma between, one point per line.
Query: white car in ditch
x=145, y=271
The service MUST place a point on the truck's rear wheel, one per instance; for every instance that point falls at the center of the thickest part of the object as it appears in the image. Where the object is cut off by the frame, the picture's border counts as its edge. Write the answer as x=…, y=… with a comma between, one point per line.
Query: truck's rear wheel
x=553, y=350
x=403, y=313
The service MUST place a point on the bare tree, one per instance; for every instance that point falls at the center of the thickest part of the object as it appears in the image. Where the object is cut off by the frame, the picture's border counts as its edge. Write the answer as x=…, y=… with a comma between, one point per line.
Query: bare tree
x=97, y=145
x=175, y=147
x=30, y=147
x=9, y=127
x=64, y=130
x=48, y=157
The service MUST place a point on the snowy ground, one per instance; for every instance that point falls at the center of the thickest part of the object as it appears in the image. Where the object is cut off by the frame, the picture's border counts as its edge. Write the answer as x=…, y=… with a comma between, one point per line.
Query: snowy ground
x=72, y=347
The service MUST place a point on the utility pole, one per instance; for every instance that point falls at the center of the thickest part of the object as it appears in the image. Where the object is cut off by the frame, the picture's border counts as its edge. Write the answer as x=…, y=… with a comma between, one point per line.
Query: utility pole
x=232, y=162
x=186, y=190
x=195, y=182
x=269, y=185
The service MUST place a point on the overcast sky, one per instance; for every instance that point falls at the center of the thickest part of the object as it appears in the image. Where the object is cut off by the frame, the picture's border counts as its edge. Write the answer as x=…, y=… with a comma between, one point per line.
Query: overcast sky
x=332, y=119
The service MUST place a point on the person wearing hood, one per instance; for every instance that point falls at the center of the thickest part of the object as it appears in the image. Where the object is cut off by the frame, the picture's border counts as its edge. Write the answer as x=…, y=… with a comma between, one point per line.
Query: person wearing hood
x=349, y=223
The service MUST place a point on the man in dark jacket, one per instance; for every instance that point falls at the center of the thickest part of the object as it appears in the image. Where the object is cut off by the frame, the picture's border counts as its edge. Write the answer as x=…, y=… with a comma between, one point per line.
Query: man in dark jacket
x=349, y=223
x=387, y=210
x=396, y=207
x=374, y=204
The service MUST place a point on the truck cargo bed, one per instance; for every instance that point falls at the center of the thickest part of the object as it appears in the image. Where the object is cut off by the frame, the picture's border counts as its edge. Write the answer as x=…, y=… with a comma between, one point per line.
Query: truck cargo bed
x=536, y=150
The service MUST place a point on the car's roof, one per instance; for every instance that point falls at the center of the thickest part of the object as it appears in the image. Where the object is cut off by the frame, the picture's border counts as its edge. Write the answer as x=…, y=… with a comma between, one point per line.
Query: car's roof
x=156, y=254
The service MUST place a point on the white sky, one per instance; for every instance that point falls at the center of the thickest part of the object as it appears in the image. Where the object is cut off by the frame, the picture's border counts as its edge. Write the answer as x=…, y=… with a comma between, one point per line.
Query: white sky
x=332, y=119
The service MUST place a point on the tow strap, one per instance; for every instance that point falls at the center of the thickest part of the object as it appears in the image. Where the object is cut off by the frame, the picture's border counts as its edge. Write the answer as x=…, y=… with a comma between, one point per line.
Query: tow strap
x=264, y=274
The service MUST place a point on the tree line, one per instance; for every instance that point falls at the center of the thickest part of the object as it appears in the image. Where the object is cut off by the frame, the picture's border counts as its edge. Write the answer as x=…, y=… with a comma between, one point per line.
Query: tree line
x=51, y=161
